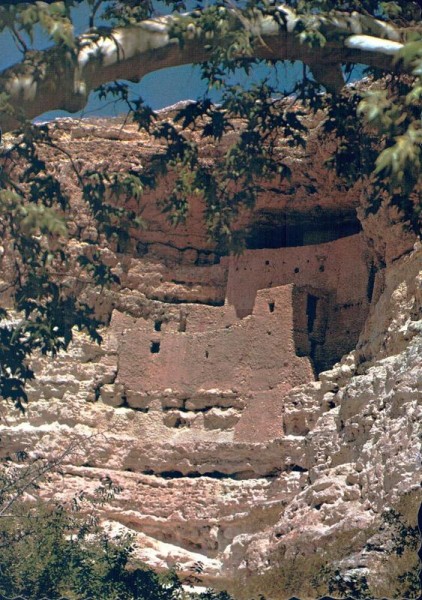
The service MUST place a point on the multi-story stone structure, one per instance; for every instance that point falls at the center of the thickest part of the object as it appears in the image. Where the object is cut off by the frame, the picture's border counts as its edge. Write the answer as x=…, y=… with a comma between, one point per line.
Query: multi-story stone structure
x=213, y=400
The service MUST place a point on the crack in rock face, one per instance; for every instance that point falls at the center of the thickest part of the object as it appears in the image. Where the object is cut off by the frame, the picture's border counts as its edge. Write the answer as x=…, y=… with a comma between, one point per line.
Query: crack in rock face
x=251, y=408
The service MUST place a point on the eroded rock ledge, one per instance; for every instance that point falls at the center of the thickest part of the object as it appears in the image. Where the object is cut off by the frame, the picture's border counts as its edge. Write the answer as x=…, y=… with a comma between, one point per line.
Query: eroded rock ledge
x=251, y=408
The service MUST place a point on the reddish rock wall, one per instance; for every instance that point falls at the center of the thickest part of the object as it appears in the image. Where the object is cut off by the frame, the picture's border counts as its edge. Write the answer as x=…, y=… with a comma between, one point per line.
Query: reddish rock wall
x=331, y=300
x=252, y=354
x=268, y=336
x=202, y=402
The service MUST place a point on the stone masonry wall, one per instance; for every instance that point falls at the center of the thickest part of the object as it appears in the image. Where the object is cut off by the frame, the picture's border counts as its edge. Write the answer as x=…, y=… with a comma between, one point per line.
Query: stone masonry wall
x=209, y=401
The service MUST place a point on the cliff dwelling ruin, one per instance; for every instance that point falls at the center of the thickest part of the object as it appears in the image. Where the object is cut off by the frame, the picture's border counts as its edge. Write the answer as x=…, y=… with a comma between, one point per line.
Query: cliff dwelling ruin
x=216, y=401
x=281, y=313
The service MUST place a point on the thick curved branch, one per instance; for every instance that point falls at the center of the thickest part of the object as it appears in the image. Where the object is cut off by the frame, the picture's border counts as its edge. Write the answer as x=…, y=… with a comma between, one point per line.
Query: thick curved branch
x=55, y=80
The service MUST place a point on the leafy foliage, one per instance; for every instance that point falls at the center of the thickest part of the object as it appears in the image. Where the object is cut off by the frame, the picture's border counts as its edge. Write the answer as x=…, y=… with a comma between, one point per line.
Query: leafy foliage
x=33, y=214
x=350, y=585
x=406, y=538
x=56, y=549
x=60, y=550
x=400, y=557
x=378, y=133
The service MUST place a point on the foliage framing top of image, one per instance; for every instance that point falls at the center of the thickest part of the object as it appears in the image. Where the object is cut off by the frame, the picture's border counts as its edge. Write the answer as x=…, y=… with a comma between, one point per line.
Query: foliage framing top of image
x=379, y=129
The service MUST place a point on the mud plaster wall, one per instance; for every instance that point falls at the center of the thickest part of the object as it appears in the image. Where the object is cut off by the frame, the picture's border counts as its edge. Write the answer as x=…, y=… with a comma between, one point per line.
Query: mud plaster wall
x=332, y=292
x=286, y=312
x=313, y=309
x=252, y=354
x=224, y=476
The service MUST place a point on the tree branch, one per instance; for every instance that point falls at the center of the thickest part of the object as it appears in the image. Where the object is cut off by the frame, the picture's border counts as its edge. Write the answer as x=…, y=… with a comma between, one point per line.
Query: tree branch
x=54, y=79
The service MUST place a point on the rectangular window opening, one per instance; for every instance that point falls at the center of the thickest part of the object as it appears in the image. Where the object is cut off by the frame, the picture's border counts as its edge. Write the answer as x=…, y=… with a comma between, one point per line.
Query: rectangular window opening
x=155, y=347
x=311, y=311
x=182, y=322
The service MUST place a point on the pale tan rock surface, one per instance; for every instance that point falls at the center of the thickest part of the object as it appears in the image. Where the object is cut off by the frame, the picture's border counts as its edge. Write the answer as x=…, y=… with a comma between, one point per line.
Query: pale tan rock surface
x=204, y=401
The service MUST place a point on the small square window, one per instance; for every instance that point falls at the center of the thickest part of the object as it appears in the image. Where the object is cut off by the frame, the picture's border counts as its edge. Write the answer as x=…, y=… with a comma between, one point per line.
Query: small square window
x=155, y=347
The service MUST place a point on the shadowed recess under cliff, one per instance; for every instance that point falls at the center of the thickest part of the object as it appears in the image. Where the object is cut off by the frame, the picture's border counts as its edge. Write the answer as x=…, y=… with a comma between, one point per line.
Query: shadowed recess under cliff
x=273, y=229
x=324, y=258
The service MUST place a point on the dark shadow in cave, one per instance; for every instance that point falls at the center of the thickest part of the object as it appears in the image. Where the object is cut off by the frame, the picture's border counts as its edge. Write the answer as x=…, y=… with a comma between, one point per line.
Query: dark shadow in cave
x=310, y=319
x=283, y=230
x=323, y=330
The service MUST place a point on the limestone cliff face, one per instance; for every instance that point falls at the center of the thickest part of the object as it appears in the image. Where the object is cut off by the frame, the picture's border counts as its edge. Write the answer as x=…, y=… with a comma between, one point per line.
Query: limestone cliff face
x=252, y=408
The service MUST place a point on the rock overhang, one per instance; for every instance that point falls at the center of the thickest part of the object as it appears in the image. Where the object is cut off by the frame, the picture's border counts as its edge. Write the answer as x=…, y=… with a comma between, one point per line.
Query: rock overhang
x=249, y=456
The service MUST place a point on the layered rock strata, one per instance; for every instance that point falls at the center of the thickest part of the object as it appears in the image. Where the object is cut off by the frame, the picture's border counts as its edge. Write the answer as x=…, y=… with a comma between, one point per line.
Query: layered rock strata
x=250, y=407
